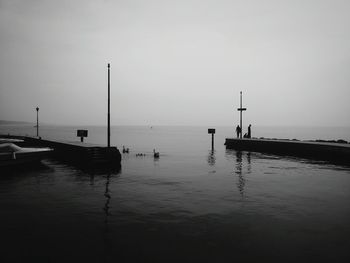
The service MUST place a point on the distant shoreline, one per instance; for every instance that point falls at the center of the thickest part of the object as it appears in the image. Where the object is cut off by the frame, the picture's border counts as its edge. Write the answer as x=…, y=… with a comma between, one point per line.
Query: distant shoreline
x=173, y=125
x=4, y=122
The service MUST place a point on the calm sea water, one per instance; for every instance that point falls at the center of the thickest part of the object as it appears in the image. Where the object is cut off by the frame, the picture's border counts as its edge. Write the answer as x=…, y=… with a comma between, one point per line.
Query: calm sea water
x=190, y=205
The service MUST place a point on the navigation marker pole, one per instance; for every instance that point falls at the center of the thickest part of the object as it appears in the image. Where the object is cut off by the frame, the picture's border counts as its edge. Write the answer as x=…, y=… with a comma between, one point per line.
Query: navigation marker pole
x=108, y=114
x=240, y=110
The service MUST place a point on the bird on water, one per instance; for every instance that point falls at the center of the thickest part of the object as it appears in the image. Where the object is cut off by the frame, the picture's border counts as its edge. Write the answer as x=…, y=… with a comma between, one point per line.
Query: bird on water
x=125, y=150
x=155, y=154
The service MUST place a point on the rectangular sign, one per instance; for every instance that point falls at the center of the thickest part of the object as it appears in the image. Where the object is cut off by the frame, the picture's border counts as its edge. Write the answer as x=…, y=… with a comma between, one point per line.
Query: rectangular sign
x=82, y=133
x=210, y=131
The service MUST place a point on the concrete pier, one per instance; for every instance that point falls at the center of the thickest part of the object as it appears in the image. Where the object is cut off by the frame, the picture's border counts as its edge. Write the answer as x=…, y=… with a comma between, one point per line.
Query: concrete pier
x=332, y=152
x=84, y=154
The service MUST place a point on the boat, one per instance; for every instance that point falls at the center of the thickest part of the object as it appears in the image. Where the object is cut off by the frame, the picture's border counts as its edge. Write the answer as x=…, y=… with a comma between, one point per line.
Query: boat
x=11, y=154
x=9, y=140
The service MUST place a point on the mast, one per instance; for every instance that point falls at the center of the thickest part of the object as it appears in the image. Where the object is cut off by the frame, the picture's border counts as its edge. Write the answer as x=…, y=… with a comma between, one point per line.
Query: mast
x=240, y=109
x=108, y=114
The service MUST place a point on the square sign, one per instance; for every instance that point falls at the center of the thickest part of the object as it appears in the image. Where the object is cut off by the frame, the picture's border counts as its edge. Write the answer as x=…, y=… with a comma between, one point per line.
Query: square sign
x=211, y=131
x=82, y=133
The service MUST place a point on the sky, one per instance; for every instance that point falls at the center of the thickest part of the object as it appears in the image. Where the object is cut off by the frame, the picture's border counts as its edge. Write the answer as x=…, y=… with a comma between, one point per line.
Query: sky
x=180, y=62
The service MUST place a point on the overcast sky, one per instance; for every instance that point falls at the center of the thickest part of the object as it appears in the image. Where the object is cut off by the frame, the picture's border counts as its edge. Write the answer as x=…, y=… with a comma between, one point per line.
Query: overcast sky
x=180, y=62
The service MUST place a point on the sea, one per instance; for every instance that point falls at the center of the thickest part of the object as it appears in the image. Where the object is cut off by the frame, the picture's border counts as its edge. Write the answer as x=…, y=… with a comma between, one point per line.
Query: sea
x=192, y=204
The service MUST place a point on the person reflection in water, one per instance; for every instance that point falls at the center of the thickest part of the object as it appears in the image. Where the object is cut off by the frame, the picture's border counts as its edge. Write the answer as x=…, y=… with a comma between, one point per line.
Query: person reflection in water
x=249, y=167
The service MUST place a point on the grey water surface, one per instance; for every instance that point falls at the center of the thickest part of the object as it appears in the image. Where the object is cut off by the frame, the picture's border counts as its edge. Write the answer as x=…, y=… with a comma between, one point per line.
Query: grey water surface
x=190, y=205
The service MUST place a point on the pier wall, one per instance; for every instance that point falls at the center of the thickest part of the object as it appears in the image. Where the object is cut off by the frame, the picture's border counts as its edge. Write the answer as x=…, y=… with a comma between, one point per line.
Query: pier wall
x=333, y=152
x=84, y=154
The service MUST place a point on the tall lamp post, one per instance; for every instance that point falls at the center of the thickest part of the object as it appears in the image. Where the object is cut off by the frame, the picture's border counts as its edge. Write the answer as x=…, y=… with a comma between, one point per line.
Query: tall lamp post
x=37, y=121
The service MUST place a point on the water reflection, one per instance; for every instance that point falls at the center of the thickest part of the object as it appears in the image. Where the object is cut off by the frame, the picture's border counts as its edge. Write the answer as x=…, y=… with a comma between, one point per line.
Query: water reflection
x=156, y=162
x=107, y=237
x=100, y=173
x=12, y=172
x=108, y=198
x=92, y=179
x=242, y=167
x=238, y=171
x=249, y=166
x=100, y=170
x=211, y=158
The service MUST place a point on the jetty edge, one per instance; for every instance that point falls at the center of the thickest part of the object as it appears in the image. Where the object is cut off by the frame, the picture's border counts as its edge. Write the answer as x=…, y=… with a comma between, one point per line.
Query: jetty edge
x=83, y=154
x=338, y=153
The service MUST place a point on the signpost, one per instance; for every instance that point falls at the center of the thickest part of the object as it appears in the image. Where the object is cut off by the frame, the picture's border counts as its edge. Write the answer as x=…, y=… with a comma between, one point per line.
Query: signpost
x=82, y=134
x=212, y=132
x=240, y=109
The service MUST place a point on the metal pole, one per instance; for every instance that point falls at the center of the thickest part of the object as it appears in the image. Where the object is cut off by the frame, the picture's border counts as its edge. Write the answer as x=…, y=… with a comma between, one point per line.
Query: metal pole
x=241, y=118
x=37, y=121
x=108, y=115
x=212, y=141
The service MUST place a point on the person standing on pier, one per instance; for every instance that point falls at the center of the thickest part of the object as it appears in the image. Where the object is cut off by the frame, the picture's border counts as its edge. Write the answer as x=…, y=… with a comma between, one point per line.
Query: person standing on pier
x=249, y=131
x=238, y=131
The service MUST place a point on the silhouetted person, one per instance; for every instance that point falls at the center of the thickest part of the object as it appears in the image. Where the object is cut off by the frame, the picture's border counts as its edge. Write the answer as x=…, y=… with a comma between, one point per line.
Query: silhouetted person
x=249, y=131
x=238, y=131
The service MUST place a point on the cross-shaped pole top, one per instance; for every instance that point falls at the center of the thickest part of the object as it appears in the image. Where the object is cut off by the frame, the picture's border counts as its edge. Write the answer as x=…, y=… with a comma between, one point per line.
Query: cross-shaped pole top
x=240, y=109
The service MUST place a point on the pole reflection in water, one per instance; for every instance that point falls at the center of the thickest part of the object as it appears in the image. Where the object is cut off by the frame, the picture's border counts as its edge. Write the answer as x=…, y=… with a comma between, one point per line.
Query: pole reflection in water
x=241, y=179
x=108, y=199
x=107, y=238
x=211, y=158
x=241, y=168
